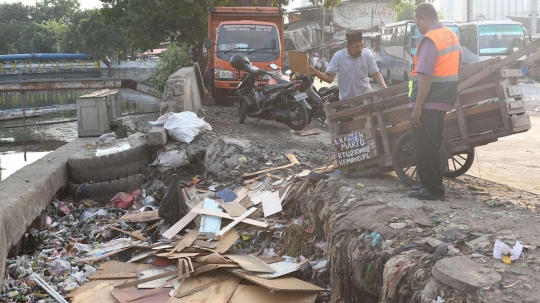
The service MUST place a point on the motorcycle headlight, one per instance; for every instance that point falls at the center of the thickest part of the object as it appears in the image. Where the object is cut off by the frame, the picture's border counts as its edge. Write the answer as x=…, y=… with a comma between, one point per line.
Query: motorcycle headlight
x=223, y=74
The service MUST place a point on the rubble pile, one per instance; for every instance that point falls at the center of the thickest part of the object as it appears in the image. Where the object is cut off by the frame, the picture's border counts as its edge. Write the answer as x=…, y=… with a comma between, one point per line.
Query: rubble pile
x=177, y=242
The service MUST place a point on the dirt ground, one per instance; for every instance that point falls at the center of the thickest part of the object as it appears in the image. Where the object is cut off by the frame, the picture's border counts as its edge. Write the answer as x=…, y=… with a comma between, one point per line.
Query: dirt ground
x=499, y=197
x=513, y=160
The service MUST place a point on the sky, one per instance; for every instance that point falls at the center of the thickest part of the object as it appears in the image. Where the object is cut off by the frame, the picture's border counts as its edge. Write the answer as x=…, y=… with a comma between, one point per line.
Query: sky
x=85, y=4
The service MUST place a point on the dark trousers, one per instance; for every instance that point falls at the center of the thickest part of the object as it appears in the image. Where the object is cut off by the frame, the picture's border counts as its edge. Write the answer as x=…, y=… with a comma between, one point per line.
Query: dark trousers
x=426, y=141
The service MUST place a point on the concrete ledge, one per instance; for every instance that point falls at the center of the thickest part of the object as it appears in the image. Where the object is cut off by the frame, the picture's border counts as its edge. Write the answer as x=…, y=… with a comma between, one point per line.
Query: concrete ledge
x=183, y=91
x=26, y=193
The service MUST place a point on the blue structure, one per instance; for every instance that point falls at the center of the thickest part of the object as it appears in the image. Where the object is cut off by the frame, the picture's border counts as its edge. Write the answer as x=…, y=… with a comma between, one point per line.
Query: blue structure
x=43, y=56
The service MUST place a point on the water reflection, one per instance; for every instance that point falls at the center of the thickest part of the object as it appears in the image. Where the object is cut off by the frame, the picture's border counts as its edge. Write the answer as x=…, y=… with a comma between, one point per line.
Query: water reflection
x=56, y=106
x=12, y=162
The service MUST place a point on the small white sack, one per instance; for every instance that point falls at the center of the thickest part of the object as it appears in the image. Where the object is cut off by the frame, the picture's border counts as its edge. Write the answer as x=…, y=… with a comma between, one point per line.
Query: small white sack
x=500, y=249
x=185, y=126
x=161, y=120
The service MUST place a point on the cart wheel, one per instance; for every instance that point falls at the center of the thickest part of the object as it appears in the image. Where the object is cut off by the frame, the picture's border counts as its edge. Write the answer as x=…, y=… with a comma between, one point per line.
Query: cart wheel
x=459, y=164
x=404, y=163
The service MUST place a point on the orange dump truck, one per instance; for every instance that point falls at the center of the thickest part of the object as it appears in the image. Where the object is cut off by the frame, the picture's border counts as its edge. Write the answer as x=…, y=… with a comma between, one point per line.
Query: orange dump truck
x=256, y=32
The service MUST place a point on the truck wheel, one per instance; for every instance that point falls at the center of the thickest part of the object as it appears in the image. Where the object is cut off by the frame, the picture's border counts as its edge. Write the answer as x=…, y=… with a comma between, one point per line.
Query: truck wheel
x=219, y=96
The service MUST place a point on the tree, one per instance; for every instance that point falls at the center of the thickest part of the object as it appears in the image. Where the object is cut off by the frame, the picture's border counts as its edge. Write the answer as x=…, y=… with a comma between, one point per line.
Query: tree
x=406, y=12
x=96, y=38
x=46, y=10
x=171, y=61
x=14, y=11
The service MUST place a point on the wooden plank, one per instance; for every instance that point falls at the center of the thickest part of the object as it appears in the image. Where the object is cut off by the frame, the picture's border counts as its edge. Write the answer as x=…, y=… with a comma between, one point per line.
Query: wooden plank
x=520, y=121
x=129, y=275
x=516, y=107
x=399, y=99
x=219, y=292
x=227, y=216
x=145, y=216
x=186, y=242
x=134, y=235
x=499, y=83
x=236, y=221
x=354, y=148
x=210, y=267
x=136, y=295
x=259, y=294
x=352, y=125
x=504, y=62
x=251, y=263
x=226, y=241
x=396, y=115
x=291, y=157
x=233, y=208
x=512, y=91
x=470, y=70
x=178, y=226
x=528, y=60
x=281, y=284
x=149, y=279
x=477, y=88
x=205, y=244
x=384, y=132
x=509, y=73
x=390, y=90
x=461, y=121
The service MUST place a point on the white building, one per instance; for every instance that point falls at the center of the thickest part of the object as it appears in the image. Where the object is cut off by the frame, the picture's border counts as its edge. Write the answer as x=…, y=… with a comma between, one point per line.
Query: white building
x=484, y=9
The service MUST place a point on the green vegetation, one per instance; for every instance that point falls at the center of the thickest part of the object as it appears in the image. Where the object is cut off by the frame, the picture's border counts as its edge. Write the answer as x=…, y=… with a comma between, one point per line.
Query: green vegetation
x=175, y=58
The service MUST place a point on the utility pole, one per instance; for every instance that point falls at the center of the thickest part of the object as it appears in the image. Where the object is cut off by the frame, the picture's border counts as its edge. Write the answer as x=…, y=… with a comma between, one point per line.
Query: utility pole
x=469, y=11
x=534, y=16
x=322, y=31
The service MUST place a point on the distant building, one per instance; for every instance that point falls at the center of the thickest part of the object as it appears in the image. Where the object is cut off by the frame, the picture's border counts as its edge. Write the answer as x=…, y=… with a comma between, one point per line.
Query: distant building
x=496, y=10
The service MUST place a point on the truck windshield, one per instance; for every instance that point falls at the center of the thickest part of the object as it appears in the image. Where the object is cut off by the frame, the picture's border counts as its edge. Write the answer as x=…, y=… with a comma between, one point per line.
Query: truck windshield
x=500, y=39
x=253, y=40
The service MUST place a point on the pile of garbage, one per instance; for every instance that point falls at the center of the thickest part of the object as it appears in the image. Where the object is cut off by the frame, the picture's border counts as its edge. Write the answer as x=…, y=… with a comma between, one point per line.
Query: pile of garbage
x=185, y=240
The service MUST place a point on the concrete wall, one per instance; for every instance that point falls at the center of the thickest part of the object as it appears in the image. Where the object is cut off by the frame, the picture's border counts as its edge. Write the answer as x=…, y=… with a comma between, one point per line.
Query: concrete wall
x=183, y=91
x=26, y=193
x=135, y=70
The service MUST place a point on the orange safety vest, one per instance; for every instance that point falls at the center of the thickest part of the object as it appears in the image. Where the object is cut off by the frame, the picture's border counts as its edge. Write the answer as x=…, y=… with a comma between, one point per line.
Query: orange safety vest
x=445, y=76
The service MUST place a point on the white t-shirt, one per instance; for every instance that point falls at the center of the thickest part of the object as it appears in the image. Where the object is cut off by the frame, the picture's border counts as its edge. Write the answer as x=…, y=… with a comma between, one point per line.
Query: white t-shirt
x=353, y=72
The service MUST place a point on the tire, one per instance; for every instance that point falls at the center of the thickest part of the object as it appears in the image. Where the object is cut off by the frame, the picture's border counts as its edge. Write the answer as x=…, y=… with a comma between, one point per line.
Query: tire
x=302, y=114
x=109, y=167
x=102, y=192
x=455, y=166
x=403, y=160
x=242, y=111
x=219, y=96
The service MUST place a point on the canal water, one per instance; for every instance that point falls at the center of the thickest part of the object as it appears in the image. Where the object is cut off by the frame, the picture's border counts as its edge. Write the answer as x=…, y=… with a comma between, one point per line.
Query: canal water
x=52, y=106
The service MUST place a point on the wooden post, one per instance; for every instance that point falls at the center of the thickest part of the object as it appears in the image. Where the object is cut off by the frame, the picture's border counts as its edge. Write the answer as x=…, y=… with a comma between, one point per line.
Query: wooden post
x=462, y=122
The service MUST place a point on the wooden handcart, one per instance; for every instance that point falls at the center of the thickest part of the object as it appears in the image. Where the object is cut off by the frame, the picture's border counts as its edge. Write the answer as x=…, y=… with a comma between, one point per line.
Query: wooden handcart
x=371, y=133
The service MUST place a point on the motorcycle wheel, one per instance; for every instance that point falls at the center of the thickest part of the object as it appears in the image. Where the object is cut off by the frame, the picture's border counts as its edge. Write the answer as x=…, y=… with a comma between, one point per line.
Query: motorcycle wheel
x=301, y=116
x=242, y=111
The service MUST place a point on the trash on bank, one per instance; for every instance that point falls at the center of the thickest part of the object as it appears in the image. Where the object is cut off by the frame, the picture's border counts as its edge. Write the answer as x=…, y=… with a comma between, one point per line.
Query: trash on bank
x=507, y=254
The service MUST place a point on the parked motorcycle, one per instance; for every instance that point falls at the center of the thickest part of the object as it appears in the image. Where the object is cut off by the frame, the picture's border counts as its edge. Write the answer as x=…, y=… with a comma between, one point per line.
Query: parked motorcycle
x=278, y=101
x=316, y=99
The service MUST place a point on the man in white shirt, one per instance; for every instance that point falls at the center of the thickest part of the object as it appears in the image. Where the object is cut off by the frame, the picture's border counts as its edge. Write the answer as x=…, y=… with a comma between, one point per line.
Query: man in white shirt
x=353, y=64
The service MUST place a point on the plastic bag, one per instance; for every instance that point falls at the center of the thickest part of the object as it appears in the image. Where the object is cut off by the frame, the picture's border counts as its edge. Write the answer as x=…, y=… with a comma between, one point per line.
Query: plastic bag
x=500, y=250
x=59, y=266
x=185, y=126
x=161, y=120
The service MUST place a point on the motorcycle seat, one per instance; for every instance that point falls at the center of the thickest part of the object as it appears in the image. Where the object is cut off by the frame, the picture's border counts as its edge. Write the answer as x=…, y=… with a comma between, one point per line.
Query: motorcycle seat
x=267, y=89
x=328, y=90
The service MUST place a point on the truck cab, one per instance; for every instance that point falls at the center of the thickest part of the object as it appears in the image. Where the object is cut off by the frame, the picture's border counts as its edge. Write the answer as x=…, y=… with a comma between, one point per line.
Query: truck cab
x=254, y=32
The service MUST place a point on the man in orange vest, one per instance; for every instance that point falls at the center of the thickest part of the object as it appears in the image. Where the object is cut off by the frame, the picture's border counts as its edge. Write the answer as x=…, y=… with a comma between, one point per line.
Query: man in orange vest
x=432, y=92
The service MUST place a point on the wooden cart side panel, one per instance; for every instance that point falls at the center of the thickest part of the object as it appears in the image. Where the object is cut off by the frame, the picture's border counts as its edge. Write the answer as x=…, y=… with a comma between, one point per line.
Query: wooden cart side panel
x=470, y=70
x=392, y=90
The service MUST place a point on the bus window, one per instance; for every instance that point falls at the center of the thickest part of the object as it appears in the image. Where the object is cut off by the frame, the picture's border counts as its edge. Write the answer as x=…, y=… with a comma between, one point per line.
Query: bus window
x=500, y=39
x=469, y=39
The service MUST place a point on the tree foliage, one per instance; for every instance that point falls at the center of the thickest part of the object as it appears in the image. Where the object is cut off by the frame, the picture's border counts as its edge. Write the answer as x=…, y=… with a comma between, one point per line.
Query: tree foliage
x=174, y=58
x=97, y=38
x=406, y=12
x=46, y=10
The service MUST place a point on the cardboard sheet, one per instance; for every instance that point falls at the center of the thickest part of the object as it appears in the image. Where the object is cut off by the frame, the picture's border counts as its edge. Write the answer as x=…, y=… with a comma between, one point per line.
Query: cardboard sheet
x=298, y=61
x=259, y=294
x=281, y=284
x=251, y=263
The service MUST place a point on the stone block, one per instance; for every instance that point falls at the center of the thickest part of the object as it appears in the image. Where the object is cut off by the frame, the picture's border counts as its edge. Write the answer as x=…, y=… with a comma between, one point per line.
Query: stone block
x=464, y=274
x=157, y=136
